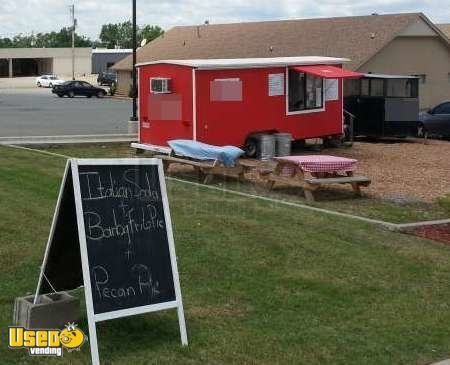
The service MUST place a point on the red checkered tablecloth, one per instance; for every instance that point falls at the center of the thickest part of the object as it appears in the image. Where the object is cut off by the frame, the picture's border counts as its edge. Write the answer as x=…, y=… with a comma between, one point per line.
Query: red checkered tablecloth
x=319, y=163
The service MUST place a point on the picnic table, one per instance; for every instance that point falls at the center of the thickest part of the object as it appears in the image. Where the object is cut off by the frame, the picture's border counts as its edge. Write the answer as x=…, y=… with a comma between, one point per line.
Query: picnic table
x=207, y=160
x=206, y=169
x=313, y=172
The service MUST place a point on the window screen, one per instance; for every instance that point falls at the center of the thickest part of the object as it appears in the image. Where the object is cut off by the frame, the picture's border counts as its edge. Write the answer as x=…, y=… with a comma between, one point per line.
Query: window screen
x=352, y=87
x=422, y=78
x=365, y=87
x=376, y=87
x=305, y=91
x=402, y=88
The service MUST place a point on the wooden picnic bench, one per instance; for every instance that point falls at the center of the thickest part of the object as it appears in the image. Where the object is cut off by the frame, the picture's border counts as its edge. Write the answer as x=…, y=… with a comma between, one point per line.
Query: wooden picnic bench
x=207, y=169
x=290, y=173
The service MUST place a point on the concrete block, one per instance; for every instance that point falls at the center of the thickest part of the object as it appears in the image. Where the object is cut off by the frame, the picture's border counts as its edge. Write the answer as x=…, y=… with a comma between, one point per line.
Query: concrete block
x=133, y=126
x=52, y=311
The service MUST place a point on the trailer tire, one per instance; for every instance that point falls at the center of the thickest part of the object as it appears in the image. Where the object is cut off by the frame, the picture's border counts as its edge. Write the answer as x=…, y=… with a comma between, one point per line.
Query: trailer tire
x=250, y=147
x=333, y=143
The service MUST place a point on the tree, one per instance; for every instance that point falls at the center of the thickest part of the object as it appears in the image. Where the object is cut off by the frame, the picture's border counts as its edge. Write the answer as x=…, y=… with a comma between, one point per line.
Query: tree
x=149, y=32
x=121, y=34
x=118, y=35
x=6, y=43
x=63, y=38
x=109, y=35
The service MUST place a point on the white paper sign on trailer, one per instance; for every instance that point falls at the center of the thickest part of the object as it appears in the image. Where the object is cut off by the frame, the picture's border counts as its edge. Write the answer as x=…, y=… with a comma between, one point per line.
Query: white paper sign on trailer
x=276, y=84
x=112, y=221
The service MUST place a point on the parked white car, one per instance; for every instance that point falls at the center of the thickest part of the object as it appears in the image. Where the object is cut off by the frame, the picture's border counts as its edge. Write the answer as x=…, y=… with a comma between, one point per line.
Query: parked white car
x=48, y=81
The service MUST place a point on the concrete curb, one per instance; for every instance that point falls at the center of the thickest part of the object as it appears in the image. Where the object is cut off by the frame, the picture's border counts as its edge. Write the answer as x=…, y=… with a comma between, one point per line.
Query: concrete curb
x=119, y=97
x=443, y=362
x=43, y=140
x=405, y=226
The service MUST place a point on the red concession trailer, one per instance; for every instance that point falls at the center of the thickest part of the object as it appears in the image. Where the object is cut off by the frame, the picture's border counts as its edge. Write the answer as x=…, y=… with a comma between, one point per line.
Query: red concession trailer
x=226, y=101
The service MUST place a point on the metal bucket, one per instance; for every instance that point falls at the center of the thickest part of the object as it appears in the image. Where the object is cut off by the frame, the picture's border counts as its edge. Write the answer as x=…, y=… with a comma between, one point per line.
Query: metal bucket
x=282, y=144
x=266, y=146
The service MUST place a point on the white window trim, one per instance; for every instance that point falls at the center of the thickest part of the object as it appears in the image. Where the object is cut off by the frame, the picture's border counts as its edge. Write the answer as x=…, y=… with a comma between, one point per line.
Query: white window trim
x=194, y=105
x=306, y=111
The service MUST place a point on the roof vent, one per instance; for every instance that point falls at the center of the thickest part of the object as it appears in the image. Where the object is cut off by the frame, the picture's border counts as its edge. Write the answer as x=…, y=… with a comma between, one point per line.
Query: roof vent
x=374, y=14
x=372, y=35
x=270, y=49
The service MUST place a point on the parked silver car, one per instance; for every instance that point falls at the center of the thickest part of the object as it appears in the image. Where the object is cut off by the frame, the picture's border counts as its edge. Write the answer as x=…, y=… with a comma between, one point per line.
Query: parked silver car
x=435, y=121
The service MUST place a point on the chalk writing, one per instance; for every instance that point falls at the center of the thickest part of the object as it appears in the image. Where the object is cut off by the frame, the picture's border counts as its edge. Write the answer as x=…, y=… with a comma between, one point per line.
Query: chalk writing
x=147, y=220
x=142, y=285
x=98, y=188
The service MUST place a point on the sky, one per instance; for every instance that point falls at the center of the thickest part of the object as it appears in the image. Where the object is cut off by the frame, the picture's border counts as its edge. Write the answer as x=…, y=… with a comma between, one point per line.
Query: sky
x=26, y=16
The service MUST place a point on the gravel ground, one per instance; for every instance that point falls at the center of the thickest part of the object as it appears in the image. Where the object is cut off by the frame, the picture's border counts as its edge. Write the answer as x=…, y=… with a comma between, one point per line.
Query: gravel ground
x=402, y=171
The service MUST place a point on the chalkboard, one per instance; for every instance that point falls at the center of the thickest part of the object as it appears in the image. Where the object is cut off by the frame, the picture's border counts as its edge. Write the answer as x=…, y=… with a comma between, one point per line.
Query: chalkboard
x=112, y=233
x=126, y=236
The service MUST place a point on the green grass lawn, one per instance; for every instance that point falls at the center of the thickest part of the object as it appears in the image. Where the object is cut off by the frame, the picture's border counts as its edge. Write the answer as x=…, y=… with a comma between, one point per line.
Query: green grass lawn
x=262, y=283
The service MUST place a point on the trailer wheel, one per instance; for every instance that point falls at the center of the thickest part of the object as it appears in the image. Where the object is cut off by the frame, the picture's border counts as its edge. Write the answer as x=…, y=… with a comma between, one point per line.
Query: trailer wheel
x=250, y=147
x=333, y=142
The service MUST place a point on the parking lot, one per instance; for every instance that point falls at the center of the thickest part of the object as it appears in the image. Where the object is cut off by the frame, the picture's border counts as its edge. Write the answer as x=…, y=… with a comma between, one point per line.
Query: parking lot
x=38, y=112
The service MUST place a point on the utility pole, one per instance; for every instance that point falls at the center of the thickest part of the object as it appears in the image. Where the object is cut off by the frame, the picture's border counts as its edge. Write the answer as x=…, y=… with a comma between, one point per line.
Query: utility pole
x=74, y=23
x=134, y=86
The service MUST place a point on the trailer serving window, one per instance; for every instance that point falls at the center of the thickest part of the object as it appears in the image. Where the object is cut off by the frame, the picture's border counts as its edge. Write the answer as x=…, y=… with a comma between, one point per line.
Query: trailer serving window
x=305, y=92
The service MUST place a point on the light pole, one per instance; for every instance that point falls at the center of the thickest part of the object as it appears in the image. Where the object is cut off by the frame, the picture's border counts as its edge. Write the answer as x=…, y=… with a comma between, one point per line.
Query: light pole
x=133, y=72
x=74, y=22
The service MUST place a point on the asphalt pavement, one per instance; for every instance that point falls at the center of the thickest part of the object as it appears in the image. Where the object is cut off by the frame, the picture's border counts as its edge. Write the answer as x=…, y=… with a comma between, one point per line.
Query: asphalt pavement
x=38, y=112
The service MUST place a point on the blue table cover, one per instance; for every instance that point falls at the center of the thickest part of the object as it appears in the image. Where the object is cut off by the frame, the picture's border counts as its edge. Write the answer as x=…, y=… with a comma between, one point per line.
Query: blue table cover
x=202, y=151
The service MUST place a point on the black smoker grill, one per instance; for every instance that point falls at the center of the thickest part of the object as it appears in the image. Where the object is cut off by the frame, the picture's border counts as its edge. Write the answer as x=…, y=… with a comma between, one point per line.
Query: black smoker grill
x=383, y=105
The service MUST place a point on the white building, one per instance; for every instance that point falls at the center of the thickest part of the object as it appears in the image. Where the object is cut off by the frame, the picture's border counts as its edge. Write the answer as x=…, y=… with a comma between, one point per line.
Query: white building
x=21, y=62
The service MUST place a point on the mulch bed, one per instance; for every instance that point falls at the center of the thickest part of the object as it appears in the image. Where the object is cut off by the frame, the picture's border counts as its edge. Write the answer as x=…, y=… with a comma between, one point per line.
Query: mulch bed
x=438, y=232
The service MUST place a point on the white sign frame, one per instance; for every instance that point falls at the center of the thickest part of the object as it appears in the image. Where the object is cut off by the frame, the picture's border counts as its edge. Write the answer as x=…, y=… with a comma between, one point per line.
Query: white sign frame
x=93, y=318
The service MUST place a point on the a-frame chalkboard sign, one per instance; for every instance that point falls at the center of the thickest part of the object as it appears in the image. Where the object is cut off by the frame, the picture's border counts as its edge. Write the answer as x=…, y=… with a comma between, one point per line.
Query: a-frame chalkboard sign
x=112, y=233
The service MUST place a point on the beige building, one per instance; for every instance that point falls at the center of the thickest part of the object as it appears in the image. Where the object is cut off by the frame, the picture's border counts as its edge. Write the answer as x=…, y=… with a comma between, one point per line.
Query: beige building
x=445, y=28
x=405, y=44
x=20, y=62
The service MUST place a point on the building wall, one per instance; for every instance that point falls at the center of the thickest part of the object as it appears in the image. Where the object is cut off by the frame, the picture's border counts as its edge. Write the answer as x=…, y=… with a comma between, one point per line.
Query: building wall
x=417, y=55
x=100, y=60
x=63, y=66
x=54, y=60
x=123, y=82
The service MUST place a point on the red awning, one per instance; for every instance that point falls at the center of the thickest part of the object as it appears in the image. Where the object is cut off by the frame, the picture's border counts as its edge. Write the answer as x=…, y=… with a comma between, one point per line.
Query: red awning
x=328, y=72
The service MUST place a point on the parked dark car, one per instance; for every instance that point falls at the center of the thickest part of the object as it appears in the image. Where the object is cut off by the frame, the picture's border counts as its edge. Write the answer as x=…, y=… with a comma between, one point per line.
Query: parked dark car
x=73, y=88
x=435, y=121
x=106, y=78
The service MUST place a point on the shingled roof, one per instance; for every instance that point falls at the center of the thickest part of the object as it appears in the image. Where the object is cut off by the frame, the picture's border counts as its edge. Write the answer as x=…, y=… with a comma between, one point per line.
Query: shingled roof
x=445, y=28
x=357, y=38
